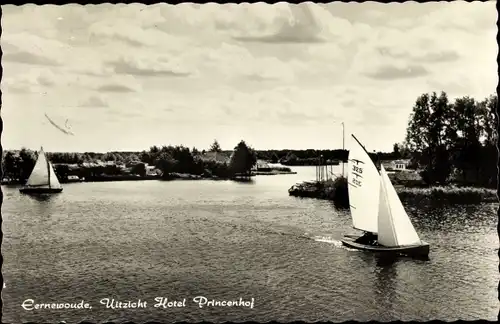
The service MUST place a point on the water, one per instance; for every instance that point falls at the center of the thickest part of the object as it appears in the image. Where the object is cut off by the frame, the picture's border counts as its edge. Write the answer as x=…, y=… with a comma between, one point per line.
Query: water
x=226, y=240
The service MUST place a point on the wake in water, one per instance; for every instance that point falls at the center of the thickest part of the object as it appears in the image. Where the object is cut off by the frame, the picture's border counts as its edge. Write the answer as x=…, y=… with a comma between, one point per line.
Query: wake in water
x=330, y=240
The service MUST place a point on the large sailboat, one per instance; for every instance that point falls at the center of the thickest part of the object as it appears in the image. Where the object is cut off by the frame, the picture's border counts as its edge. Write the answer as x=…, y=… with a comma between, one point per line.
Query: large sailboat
x=42, y=179
x=377, y=210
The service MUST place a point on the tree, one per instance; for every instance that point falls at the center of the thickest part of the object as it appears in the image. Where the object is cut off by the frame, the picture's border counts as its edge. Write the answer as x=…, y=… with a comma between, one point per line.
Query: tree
x=396, y=150
x=468, y=130
x=139, y=168
x=11, y=165
x=132, y=158
x=428, y=135
x=184, y=158
x=62, y=171
x=165, y=163
x=488, y=119
x=27, y=162
x=274, y=158
x=243, y=159
x=215, y=147
x=109, y=157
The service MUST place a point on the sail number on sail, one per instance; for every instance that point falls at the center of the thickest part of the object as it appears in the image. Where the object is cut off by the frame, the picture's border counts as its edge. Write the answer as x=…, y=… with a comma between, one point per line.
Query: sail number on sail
x=357, y=171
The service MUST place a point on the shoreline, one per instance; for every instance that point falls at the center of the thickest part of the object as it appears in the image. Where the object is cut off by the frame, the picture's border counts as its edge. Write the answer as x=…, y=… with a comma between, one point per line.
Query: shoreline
x=170, y=177
x=437, y=194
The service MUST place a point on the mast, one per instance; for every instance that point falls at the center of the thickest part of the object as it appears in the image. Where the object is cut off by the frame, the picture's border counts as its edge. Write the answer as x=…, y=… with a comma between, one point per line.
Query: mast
x=48, y=164
x=343, y=146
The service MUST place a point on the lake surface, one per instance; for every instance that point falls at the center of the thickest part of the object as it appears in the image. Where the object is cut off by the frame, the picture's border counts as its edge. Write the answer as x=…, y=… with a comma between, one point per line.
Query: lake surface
x=226, y=240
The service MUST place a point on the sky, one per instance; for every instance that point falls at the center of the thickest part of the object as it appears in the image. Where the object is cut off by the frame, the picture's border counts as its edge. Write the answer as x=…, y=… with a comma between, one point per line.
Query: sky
x=282, y=76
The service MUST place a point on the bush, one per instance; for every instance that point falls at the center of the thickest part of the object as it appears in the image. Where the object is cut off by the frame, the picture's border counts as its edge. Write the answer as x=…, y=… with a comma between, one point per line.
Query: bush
x=341, y=192
x=448, y=194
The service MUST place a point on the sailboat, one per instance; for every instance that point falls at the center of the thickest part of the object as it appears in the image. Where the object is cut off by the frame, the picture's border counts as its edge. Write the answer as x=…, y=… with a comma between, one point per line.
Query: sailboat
x=378, y=209
x=42, y=179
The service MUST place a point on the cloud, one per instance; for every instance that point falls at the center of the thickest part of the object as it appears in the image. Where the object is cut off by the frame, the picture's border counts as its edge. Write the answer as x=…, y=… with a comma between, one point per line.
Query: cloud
x=442, y=56
x=148, y=67
x=431, y=56
x=28, y=58
x=27, y=48
x=114, y=88
x=301, y=24
x=120, y=29
x=118, y=84
x=248, y=66
x=233, y=61
x=36, y=80
x=94, y=102
x=46, y=78
x=391, y=72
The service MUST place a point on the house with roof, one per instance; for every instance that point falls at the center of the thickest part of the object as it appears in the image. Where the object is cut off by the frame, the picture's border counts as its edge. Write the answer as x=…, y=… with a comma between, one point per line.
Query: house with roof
x=261, y=165
x=396, y=165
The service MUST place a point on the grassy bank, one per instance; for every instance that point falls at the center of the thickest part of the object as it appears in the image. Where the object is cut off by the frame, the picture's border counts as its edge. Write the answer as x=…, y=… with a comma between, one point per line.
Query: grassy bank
x=447, y=194
x=337, y=191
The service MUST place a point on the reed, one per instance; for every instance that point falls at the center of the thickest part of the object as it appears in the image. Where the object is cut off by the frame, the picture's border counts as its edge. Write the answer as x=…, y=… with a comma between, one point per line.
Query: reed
x=448, y=194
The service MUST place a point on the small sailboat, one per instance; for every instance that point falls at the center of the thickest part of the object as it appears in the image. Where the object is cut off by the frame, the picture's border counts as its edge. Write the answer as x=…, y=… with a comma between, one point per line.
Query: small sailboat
x=395, y=232
x=43, y=179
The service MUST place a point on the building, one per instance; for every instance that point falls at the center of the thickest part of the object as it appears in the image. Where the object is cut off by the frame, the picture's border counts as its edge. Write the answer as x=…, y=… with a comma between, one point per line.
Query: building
x=261, y=165
x=151, y=170
x=396, y=165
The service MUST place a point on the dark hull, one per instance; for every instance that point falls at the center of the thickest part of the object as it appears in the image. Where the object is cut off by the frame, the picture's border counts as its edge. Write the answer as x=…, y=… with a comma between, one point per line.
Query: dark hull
x=28, y=190
x=411, y=250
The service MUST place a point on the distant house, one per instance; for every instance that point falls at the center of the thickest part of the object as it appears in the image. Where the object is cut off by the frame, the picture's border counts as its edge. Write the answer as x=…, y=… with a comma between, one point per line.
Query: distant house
x=151, y=170
x=74, y=178
x=261, y=165
x=215, y=156
x=396, y=165
x=89, y=164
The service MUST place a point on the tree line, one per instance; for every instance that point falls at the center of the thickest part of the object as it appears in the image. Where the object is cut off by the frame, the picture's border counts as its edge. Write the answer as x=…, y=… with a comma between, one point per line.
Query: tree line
x=168, y=159
x=453, y=139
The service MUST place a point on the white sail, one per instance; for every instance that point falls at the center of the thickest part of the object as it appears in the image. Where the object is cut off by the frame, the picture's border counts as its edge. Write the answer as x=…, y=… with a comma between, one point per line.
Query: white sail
x=40, y=174
x=386, y=232
x=395, y=227
x=43, y=174
x=54, y=182
x=364, y=182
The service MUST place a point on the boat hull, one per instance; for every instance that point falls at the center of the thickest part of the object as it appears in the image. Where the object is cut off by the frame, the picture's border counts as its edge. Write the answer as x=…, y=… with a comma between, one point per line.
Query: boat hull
x=421, y=250
x=28, y=190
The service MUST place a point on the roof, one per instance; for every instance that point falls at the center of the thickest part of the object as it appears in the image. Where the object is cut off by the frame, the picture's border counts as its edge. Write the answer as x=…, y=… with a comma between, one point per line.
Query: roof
x=400, y=161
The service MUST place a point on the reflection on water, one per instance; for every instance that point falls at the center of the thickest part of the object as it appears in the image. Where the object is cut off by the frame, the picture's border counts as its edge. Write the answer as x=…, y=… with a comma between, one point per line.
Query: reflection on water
x=244, y=180
x=386, y=275
x=225, y=239
x=41, y=197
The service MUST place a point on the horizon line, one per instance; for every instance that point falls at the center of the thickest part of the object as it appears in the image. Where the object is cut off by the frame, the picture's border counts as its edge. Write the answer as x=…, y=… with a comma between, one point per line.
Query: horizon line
x=190, y=148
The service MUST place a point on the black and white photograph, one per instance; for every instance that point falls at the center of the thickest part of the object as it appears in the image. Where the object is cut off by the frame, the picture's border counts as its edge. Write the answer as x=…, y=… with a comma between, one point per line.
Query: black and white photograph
x=249, y=162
